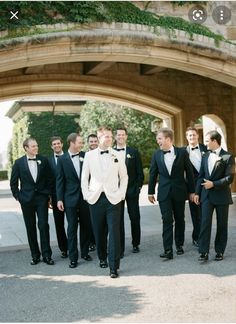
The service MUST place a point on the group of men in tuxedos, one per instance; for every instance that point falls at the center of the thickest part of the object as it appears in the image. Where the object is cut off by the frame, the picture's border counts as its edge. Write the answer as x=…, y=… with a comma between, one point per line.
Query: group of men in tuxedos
x=203, y=176
x=89, y=187
x=92, y=189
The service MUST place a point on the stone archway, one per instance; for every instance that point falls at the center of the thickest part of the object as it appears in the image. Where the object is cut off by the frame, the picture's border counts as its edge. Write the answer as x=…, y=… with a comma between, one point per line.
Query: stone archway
x=136, y=65
x=213, y=122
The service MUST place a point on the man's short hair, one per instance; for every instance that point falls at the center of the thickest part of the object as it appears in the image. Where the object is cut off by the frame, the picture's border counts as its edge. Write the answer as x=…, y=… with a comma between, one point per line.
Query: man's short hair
x=91, y=135
x=214, y=135
x=122, y=128
x=72, y=138
x=56, y=138
x=104, y=128
x=167, y=132
x=191, y=128
x=26, y=142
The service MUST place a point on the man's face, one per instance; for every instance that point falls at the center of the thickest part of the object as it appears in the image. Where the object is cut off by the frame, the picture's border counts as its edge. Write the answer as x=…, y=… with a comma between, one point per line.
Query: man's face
x=57, y=146
x=32, y=148
x=93, y=143
x=211, y=144
x=165, y=143
x=192, y=137
x=78, y=144
x=105, y=139
x=121, y=137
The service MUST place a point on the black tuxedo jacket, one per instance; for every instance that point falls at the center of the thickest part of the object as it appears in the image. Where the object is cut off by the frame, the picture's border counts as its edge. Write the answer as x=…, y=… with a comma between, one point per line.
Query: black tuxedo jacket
x=222, y=176
x=68, y=185
x=203, y=150
x=28, y=188
x=53, y=168
x=135, y=172
x=179, y=183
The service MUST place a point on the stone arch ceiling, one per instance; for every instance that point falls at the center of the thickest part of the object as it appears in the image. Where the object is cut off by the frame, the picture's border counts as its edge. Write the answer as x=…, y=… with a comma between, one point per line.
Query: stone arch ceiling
x=116, y=62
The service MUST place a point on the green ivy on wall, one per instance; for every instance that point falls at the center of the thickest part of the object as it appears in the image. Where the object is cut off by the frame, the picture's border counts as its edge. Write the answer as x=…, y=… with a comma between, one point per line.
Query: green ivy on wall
x=42, y=127
x=52, y=12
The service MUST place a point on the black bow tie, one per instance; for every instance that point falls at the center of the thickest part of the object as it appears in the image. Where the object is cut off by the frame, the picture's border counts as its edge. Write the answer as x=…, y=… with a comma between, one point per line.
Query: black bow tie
x=73, y=155
x=102, y=152
x=29, y=159
x=212, y=151
x=57, y=156
x=195, y=148
x=164, y=152
x=121, y=149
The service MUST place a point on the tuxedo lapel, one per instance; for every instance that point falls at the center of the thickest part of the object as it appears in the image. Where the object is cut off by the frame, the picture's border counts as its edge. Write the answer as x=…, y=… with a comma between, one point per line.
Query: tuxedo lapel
x=176, y=151
x=206, y=166
x=217, y=163
x=38, y=168
x=128, y=152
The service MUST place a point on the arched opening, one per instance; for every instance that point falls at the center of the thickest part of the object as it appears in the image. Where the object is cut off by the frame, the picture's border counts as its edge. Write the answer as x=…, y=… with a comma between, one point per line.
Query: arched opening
x=213, y=122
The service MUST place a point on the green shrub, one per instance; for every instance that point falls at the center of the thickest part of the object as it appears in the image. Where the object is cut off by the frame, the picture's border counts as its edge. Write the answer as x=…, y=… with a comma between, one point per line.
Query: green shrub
x=3, y=175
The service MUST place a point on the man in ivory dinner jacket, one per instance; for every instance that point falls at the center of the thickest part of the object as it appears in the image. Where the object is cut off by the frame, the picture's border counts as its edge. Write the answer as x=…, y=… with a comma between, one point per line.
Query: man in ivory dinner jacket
x=104, y=184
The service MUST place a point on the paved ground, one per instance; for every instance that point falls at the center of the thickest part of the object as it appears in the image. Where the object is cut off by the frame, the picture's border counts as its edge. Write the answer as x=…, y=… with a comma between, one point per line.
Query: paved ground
x=148, y=290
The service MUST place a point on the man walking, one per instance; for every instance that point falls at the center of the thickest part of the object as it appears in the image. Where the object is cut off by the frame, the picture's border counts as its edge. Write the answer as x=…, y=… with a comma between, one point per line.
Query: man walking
x=92, y=141
x=70, y=199
x=104, y=184
x=171, y=164
x=195, y=151
x=59, y=216
x=213, y=186
x=133, y=163
x=33, y=173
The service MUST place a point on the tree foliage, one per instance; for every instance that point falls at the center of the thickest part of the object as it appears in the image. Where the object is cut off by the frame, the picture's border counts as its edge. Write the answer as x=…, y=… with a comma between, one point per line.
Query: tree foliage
x=138, y=124
x=42, y=127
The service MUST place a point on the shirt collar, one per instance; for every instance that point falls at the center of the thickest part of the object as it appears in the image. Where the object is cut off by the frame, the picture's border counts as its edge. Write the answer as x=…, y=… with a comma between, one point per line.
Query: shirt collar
x=218, y=150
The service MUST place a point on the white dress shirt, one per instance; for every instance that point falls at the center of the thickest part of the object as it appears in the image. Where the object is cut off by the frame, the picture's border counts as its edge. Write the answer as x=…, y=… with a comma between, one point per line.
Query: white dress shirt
x=213, y=157
x=104, y=159
x=33, y=167
x=76, y=162
x=195, y=157
x=56, y=156
x=122, y=153
x=169, y=159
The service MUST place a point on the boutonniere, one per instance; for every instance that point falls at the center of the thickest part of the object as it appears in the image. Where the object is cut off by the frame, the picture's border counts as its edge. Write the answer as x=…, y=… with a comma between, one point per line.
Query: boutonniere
x=128, y=156
x=81, y=159
x=114, y=158
x=39, y=162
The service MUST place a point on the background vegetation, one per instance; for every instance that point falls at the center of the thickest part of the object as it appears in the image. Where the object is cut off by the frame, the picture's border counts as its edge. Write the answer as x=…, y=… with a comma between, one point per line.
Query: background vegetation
x=83, y=12
x=92, y=115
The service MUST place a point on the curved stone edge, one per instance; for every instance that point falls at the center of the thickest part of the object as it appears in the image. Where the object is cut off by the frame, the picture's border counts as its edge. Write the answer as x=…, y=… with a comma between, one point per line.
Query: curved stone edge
x=151, y=33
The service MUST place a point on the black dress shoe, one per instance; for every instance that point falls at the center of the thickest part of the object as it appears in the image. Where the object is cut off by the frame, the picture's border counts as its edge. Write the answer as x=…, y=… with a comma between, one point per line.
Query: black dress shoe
x=203, y=257
x=103, y=264
x=179, y=250
x=48, y=260
x=136, y=249
x=92, y=247
x=73, y=264
x=219, y=257
x=167, y=255
x=35, y=261
x=113, y=273
x=195, y=243
x=87, y=258
x=64, y=255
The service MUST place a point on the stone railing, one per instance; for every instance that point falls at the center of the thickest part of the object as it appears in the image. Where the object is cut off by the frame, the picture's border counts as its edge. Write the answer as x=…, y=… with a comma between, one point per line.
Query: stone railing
x=121, y=29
